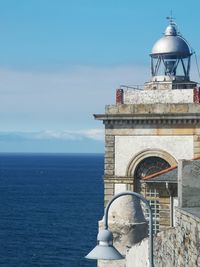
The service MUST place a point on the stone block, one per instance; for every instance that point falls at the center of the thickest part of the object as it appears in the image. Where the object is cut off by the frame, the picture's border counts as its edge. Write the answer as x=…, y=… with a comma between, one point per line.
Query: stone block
x=109, y=149
x=197, y=144
x=109, y=186
x=109, y=191
x=196, y=138
x=125, y=109
x=160, y=108
x=197, y=130
x=109, y=172
x=141, y=108
x=109, y=167
x=109, y=160
x=175, y=131
x=178, y=108
x=128, y=131
x=111, y=109
x=109, y=144
x=109, y=155
x=194, y=108
x=107, y=197
x=109, y=138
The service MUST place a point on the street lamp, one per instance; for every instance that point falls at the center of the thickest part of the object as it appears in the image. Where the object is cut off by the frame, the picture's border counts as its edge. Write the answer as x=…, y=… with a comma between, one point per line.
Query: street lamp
x=105, y=249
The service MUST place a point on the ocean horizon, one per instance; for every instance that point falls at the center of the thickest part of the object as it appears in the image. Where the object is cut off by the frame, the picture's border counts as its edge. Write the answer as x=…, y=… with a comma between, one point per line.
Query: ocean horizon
x=49, y=209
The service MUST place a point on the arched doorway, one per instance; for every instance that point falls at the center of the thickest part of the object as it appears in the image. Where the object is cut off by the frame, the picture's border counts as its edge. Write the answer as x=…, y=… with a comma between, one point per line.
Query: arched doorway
x=143, y=164
x=148, y=166
x=147, y=162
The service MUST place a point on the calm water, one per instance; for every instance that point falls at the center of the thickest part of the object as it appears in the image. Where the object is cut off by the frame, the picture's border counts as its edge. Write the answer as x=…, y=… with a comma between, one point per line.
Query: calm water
x=49, y=208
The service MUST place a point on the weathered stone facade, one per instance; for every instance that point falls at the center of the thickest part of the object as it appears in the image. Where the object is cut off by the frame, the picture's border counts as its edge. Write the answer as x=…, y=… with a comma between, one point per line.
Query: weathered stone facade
x=134, y=132
x=169, y=131
x=180, y=246
x=174, y=247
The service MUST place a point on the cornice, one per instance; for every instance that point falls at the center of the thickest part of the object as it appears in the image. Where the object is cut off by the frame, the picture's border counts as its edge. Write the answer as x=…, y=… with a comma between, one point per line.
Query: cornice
x=173, y=118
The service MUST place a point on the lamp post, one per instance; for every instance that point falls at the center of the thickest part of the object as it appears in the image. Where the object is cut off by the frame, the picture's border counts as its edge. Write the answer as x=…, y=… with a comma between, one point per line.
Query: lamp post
x=105, y=249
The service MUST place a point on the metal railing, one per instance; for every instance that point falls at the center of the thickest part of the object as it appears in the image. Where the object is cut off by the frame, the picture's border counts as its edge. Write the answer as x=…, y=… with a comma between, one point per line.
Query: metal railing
x=132, y=87
x=161, y=85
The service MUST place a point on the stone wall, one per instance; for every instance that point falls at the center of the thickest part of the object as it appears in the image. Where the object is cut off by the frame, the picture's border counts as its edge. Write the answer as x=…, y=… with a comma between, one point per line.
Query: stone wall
x=180, y=246
x=174, y=247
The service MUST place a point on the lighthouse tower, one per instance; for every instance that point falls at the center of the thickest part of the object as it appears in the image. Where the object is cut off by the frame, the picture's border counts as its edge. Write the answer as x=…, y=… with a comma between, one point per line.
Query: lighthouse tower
x=149, y=130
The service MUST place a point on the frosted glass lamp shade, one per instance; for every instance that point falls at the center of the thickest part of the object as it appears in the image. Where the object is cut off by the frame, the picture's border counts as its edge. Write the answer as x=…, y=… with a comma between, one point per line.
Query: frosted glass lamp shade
x=104, y=249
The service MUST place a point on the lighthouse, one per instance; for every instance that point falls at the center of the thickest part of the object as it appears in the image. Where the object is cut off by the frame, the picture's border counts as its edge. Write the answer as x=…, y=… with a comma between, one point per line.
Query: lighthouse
x=149, y=129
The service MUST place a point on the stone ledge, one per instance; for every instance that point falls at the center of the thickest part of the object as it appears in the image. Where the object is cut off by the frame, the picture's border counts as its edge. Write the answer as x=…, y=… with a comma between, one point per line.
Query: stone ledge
x=117, y=179
x=152, y=119
x=150, y=116
x=166, y=108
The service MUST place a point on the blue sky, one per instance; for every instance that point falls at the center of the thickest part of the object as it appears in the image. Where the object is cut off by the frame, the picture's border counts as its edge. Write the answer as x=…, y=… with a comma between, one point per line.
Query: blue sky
x=61, y=61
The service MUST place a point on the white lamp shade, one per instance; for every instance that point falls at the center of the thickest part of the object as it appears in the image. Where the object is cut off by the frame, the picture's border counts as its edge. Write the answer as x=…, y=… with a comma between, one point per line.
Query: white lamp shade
x=104, y=252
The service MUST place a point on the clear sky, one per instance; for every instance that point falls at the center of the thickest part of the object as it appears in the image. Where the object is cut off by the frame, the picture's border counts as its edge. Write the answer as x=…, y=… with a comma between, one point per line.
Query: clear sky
x=61, y=61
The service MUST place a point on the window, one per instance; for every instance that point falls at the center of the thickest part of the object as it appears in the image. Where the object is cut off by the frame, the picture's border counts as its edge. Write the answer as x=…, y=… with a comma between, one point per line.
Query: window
x=153, y=197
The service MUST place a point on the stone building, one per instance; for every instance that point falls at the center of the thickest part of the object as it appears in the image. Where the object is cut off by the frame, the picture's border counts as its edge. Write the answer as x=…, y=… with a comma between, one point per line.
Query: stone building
x=177, y=246
x=148, y=130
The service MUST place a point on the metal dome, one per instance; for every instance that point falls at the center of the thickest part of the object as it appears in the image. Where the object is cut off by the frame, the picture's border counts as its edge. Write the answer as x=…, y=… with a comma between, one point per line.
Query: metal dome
x=172, y=44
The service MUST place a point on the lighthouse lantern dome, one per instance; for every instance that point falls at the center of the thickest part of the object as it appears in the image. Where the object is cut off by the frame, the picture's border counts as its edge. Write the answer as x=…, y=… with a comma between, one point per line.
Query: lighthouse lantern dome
x=170, y=56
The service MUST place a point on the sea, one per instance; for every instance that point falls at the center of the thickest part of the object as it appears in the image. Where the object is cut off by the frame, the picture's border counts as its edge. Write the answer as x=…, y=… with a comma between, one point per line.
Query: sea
x=50, y=205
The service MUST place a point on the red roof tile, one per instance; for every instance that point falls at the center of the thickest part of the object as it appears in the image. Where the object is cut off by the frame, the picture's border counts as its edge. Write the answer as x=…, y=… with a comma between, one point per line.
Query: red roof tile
x=159, y=173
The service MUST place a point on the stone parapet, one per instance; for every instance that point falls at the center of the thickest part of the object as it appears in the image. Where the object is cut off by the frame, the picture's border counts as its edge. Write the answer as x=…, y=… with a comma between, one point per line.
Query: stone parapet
x=162, y=108
x=180, y=246
x=160, y=96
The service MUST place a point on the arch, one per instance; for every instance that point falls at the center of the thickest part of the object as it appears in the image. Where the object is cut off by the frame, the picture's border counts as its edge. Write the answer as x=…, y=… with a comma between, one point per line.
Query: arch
x=146, y=154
